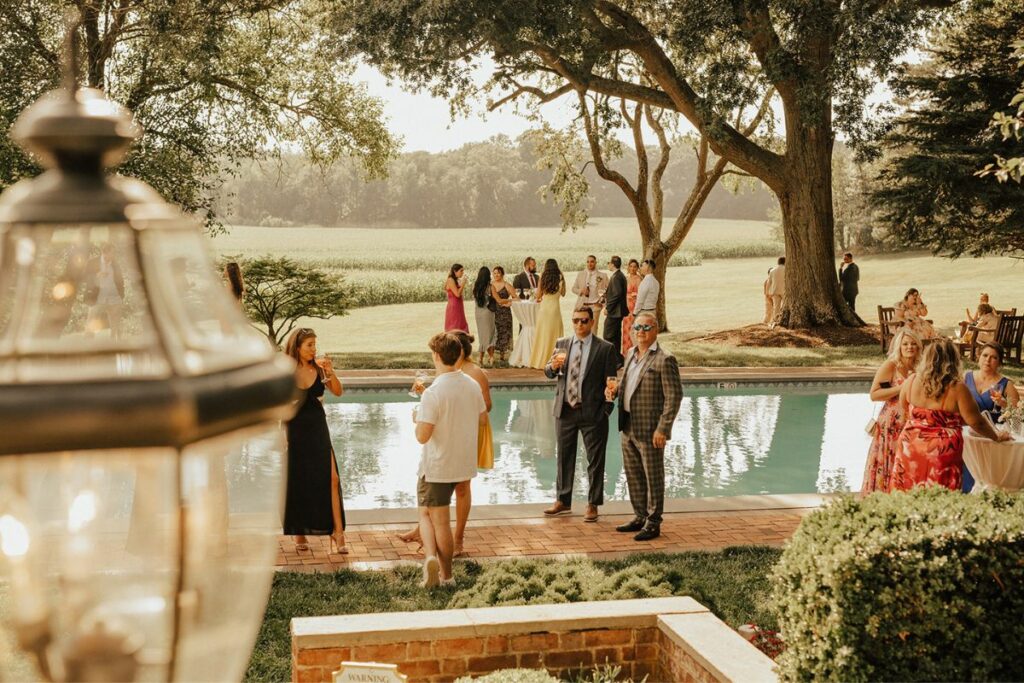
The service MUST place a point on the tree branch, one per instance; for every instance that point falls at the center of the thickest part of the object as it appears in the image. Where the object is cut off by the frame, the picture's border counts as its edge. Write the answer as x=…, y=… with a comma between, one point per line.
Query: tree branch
x=593, y=138
x=541, y=96
x=659, y=171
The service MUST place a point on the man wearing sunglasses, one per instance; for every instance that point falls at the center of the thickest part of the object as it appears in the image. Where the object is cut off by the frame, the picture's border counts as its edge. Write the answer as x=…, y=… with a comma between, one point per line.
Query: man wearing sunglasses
x=582, y=363
x=649, y=398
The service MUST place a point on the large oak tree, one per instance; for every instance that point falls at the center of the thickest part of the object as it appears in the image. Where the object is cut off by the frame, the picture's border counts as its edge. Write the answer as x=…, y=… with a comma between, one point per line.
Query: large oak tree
x=212, y=82
x=822, y=57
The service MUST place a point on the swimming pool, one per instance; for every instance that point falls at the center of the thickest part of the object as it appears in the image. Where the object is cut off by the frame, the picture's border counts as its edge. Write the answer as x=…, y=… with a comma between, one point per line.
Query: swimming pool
x=725, y=442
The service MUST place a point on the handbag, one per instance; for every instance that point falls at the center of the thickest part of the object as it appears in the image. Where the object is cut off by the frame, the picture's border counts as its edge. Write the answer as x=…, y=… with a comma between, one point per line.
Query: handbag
x=872, y=423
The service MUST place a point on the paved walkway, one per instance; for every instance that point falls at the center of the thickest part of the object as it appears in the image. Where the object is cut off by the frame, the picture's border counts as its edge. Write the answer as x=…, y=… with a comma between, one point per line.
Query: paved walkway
x=376, y=546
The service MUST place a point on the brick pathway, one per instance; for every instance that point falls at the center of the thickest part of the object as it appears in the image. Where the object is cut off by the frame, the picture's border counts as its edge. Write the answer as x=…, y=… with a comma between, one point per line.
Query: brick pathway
x=376, y=546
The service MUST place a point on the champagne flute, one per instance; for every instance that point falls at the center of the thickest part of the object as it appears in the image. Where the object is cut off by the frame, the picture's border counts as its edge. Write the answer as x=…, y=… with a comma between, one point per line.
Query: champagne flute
x=560, y=357
x=419, y=384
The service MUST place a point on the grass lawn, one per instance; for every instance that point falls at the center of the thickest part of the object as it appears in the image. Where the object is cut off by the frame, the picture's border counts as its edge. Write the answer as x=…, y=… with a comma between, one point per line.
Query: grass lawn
x=718, y=295
x=732, y=583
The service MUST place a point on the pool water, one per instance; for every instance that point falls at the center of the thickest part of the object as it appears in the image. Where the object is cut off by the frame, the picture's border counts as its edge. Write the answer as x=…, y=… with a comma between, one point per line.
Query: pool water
x=724, y=443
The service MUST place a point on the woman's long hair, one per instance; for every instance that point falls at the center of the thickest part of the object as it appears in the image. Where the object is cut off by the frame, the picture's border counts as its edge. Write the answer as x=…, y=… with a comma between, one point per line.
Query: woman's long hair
x=912, y=290
x=939, y=368
x=234, y=275
x=482, y=286
x=550, y=277
x=295, y=341
x=897, y=341
x=456, y=267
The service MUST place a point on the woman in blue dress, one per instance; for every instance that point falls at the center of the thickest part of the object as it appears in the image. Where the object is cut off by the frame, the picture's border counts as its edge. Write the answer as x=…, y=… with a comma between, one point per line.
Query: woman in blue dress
x=991, y=390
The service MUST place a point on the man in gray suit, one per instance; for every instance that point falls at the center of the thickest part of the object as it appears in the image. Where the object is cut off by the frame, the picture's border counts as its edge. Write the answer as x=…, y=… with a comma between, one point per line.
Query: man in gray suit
x=650, y=395
x=582, y=363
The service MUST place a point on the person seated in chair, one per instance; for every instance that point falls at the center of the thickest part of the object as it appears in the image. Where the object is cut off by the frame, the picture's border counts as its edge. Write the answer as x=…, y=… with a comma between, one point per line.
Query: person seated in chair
x=986, y=323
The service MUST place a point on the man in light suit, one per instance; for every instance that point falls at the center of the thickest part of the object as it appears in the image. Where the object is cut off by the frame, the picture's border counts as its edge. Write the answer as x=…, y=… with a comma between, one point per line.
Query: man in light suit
x=776, y=289
x=650, y=395
x=591, y=284
x=582, y=363
x=616, y=307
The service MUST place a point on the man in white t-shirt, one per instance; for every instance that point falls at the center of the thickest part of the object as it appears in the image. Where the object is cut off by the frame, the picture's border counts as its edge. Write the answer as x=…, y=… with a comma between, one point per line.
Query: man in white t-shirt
x=447, y=422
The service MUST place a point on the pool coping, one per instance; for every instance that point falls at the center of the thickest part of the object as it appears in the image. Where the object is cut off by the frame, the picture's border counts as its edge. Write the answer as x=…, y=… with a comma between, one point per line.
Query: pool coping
x=369, y=518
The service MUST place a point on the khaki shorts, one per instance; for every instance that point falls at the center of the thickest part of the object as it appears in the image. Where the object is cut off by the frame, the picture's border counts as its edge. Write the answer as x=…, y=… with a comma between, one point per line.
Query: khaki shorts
x=432, y=494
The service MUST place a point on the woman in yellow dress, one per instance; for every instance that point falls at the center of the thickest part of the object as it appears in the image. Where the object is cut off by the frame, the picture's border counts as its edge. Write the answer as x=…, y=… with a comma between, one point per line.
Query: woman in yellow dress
x=549, y=316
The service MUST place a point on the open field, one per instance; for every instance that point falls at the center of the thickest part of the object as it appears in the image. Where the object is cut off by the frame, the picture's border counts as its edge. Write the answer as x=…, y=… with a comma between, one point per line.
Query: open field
x=718, y=295
x=371, y=250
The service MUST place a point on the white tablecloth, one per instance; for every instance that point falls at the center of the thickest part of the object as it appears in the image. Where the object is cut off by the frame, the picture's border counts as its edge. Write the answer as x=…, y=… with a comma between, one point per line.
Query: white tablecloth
x=994, y=465
x=525, y=312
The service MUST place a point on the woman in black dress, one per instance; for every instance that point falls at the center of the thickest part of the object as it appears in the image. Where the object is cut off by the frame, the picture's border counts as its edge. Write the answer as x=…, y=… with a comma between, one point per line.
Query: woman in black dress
x=313, y=504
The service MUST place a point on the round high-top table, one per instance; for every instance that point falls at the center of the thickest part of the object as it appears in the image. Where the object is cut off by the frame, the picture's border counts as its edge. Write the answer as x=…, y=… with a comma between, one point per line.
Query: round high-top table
x=995, y=465
x=525, y=311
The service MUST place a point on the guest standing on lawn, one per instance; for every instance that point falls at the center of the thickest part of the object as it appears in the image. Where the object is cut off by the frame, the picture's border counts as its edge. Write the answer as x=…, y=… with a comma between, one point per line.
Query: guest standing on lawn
x=615, y=306
x=777, y=289
x=455, y=311
x=651, y=394
x=486, y=331
x=313, y=504
x=647, y=293
x=633, y=279
x=936, y=405
x=582, y=364
x=448, y=419
x=504, y=295
x=549, y=317
x=527, y=279
x=904, y=353
x=990, y=389
x=590, y=285
x=849, y=276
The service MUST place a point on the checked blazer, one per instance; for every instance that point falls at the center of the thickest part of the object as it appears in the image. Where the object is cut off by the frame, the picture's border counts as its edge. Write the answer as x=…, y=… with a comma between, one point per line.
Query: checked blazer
x=656, y=397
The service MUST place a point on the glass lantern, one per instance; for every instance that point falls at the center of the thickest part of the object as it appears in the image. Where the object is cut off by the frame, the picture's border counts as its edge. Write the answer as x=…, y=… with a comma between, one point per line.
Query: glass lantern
x=141, y=462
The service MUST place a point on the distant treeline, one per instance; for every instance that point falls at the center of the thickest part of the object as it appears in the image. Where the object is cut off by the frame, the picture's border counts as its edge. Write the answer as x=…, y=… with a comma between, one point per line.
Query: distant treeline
x=494, y=183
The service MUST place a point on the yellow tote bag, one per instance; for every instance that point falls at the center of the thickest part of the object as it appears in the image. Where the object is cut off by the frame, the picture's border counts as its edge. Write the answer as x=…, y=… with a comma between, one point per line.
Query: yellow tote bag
x=485, y=446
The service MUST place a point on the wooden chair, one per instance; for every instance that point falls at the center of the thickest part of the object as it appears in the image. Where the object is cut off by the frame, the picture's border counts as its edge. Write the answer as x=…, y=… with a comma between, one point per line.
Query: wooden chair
x=887, y=325
x=1010, y=336
x=1006, y=312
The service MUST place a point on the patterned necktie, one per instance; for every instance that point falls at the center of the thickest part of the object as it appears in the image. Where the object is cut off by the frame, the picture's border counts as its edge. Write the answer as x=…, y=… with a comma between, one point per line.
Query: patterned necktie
x=574, y=374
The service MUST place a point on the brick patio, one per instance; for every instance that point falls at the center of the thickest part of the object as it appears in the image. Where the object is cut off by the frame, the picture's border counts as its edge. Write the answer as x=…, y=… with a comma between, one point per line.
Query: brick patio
x=376, y=545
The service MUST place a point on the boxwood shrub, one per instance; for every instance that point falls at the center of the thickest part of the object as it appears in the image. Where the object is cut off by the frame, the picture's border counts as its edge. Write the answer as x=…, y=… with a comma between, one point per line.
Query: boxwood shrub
x=927, y=585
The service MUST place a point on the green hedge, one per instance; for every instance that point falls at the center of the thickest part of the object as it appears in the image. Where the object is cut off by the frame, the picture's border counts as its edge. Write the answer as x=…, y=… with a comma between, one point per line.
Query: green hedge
x=921, y=586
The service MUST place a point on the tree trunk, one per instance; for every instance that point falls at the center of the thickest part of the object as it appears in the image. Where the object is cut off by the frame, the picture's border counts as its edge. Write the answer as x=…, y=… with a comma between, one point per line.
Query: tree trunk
x=812, y=296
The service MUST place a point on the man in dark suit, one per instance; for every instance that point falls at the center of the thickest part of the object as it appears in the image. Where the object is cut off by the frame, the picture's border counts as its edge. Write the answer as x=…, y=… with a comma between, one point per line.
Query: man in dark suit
x=615, y=306
x=527, y=279
x=650, y=395
x=849, y=274
x=582, y=363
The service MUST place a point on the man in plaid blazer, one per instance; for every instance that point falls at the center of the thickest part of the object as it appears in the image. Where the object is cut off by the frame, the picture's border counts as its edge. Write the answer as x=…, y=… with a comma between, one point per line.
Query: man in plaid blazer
x=649, y=398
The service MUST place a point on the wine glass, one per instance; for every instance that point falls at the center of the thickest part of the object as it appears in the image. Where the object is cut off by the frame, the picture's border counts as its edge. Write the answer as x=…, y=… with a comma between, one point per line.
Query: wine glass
x=419, y=384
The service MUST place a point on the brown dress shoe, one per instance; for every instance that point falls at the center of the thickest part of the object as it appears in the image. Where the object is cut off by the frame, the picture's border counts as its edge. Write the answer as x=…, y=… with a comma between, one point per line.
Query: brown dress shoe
x=558, y=509
x=591, y=514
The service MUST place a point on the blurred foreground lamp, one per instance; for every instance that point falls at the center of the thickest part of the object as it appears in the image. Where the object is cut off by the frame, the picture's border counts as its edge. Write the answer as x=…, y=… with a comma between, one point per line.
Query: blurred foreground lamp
x=140, y=468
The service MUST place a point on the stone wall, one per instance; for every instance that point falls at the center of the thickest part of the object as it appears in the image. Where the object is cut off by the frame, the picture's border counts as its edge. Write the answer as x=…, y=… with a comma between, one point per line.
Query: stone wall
x=665, y=639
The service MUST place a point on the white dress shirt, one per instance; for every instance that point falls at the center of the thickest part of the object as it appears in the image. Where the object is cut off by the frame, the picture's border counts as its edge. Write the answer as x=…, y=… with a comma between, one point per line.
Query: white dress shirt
x=647, y=294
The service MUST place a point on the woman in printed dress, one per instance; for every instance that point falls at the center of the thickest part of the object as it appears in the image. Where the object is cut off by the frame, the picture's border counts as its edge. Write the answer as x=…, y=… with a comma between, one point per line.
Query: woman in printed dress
x=633, y=279
x=911, y=311
x=904, y=352
x=936, y=404
x=503, y=295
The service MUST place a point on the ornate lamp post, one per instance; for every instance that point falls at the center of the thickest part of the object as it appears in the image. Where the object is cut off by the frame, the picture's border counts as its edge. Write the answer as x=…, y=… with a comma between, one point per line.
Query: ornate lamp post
x=128, y=379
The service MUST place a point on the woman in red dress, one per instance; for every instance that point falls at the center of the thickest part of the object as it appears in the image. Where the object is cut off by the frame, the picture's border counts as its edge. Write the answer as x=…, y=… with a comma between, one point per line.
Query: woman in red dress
x=455, y=310
x=936, y=405
x=904, y=352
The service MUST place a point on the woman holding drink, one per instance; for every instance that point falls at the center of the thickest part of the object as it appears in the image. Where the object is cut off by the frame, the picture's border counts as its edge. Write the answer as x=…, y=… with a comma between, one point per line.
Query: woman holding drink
x=313, y=504
x=455, y=311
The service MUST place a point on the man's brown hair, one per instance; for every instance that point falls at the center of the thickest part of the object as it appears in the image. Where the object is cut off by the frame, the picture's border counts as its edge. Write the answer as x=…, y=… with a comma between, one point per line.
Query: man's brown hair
x=447, y=346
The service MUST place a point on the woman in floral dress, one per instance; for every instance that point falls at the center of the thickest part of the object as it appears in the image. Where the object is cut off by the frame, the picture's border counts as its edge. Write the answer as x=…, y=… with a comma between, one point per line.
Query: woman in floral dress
x=904, y=352
x=937, y=403
x=911, y=311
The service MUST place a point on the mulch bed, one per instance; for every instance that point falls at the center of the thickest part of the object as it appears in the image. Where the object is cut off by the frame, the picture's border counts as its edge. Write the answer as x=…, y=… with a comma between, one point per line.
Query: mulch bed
x=806, y=338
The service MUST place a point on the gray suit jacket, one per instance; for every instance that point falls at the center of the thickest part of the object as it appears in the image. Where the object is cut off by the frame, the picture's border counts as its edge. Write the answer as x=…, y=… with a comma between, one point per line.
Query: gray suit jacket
x=656, y=398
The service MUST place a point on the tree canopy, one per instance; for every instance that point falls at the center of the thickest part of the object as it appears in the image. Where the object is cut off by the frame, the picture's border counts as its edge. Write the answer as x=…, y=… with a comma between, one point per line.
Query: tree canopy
x=928, y=192
x=212, y=83
x=703, y=58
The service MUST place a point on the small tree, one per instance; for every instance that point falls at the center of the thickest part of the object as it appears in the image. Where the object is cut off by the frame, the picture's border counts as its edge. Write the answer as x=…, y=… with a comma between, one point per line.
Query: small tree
x=279, y=291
